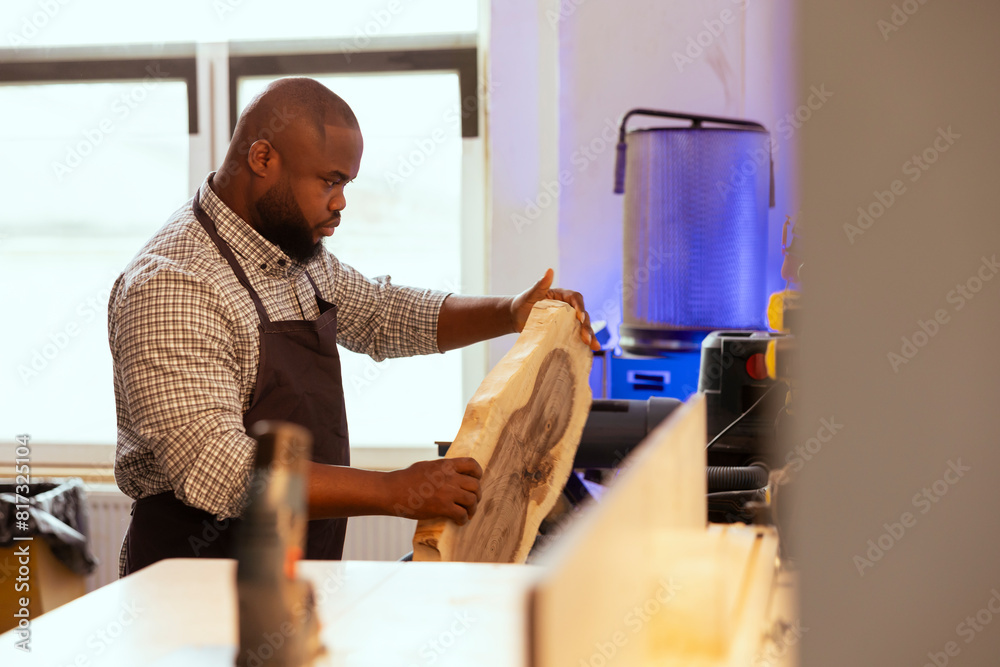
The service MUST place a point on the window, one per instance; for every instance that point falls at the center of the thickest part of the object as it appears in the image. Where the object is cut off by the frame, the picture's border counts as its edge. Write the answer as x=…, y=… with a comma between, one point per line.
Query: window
x=103, y=153
x=402, y=219
x=93, y=170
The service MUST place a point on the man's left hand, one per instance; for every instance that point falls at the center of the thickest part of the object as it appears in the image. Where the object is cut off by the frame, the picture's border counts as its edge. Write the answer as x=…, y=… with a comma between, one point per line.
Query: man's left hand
x=522, y=304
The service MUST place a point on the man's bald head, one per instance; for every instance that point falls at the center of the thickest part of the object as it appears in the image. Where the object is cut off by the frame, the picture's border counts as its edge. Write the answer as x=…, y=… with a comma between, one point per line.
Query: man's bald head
x=297, y=108
x=296, y=146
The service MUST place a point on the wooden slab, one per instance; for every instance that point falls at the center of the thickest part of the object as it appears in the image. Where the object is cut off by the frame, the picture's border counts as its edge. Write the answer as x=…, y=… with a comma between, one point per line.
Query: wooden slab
x=523, y=426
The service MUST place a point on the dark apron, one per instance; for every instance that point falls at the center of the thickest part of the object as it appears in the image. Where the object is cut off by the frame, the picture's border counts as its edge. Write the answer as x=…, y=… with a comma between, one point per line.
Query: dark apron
x=299, y=381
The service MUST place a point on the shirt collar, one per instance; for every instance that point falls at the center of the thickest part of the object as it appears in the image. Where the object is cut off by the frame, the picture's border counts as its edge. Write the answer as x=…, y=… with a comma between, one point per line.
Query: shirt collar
x=257, y=252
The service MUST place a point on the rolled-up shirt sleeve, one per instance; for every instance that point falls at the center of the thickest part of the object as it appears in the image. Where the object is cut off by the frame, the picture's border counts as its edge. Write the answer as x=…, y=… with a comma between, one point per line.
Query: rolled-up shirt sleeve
x=383, y=320
x=179, y=380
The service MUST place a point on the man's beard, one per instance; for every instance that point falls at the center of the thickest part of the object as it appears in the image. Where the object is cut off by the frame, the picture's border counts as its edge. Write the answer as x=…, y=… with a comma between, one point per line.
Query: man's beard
x=280, y=221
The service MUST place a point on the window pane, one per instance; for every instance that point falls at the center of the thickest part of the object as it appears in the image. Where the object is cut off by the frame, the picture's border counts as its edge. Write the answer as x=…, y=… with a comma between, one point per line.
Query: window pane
x=92, y=171
x=29, y=23
x=402, y=219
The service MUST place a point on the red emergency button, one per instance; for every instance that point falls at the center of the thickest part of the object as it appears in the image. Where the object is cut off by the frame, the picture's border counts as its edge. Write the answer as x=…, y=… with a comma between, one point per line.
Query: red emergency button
x=756, y=368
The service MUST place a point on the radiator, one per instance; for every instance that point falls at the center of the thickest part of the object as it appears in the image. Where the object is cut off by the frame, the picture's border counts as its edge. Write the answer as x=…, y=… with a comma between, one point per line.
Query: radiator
x=109, y=516
x=378, y=538
x=368, y=537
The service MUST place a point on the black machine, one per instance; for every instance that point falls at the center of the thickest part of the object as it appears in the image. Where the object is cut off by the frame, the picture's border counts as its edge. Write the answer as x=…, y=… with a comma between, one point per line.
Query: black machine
x=743, y=405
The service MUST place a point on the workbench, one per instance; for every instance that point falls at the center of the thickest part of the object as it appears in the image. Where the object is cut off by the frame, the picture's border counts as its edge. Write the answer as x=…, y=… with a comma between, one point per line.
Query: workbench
x=637, y=579
x=182, y=612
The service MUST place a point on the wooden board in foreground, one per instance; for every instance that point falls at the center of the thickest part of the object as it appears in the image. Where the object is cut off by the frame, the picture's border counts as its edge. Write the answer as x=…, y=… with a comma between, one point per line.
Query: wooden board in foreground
x=523, y=426
x=640, y=579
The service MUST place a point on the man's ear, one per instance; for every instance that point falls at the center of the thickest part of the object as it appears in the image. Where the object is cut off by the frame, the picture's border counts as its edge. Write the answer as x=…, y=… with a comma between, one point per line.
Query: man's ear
x=262, y=158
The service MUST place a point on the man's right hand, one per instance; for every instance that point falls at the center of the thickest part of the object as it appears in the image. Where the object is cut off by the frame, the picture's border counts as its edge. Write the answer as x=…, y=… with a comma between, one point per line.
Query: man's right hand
x=447, y=488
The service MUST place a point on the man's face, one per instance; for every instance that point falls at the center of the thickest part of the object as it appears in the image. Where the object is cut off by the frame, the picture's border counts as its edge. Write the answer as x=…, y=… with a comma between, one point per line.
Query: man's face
x=305, y=204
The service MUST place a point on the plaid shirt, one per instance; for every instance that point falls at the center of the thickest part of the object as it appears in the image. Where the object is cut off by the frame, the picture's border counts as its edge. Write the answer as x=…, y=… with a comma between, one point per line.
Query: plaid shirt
x=184, y=339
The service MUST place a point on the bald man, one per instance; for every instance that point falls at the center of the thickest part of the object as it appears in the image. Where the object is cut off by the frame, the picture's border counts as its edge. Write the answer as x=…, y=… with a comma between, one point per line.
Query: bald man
x=232, y=314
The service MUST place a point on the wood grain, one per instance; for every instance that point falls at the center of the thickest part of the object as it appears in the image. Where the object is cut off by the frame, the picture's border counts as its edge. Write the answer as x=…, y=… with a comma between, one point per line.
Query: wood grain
x=523, y=426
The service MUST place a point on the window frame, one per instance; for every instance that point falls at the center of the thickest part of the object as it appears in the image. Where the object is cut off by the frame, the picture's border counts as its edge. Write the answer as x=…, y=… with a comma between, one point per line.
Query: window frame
x=251, y=59
x=53, y=65
x=212, y=72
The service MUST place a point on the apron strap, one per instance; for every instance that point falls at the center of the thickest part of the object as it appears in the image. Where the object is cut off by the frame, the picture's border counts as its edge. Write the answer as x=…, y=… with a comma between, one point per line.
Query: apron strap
x=228, y=255
x=313, y=283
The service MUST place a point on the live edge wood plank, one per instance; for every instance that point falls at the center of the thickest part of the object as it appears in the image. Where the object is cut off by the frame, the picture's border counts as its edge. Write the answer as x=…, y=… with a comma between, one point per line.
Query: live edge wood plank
x=523, y=426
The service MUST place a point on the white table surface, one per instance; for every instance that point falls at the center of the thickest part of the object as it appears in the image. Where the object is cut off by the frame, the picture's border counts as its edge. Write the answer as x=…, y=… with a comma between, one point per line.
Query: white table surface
x=382, y=614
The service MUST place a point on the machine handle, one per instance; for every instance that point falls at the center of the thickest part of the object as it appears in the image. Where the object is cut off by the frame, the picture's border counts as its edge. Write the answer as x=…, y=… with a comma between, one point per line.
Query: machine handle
x=696, y=121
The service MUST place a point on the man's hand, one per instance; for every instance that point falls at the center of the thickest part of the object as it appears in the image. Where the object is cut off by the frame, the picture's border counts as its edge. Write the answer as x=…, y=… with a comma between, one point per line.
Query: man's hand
x=522, y=304
x=446, y=488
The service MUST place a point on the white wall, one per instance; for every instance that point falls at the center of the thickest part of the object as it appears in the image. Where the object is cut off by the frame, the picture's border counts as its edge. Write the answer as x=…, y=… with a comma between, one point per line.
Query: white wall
x=563, y=73
x=937, y=565
x=615, y=56
x=521, y=133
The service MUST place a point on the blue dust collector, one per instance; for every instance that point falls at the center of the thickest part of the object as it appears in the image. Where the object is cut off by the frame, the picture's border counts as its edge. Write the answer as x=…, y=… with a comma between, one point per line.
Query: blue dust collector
x=695, y=230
